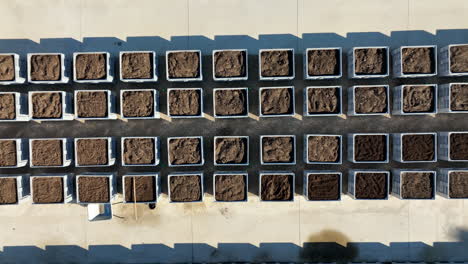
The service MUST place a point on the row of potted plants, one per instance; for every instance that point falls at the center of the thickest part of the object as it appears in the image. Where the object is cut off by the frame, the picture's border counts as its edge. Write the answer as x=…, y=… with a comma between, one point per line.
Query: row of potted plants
x=273, y=186
x=232, y=65
x=233, y=102
x=234, y=150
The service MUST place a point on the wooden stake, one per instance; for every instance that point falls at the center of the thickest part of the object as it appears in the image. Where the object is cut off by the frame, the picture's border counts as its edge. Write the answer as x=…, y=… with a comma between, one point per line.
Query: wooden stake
x=134, y=199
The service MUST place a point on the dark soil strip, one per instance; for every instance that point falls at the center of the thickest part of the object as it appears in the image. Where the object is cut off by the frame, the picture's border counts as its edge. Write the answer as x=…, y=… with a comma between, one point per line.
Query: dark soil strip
x=323, y=187
x=276, y=187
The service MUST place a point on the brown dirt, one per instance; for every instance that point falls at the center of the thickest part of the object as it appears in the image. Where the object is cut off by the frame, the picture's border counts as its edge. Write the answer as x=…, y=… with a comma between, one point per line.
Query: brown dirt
x=48, y=190
x=137, y=103
x=278, y=149
x=276, y=63
x=370, y=99
x=277, y=101
x=370, y=61
x=91, y=104
x=231, y=102
x=323, y=148
x=137, y=66
x=7, y=67
x=7, y=107
x=323, y=62
x=459, y=58
x=91, y=66
x=371, y=185
x=145, y=188
x=46, y=68
x=185, y=188
x=459, y=97
x=458, y=187
x=418, y=60
x=139, y=151
x=418, y=147
x=183, y=65
x=418, y=99
x=47, y=153
x=323, y=100
x=321, y=187
x=47, y=105
x=417, y=185
x=92, y=151
x=459, y=146
x=370, y=148
x=230, y=64
x=8, y=191
x=185, y=151
x=276, y=187
x=231, y=150
x=93, y=189
x=184, y=102
x=230, y=188
x=7, y=153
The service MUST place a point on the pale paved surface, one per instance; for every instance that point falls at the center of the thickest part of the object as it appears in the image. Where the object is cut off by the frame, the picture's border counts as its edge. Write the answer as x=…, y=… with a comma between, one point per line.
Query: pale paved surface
x=253, y=231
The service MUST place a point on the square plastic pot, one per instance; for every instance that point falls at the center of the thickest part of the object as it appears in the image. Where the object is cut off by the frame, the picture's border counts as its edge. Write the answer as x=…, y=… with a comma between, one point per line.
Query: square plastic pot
x=21, y=186
x=444, y=145
x=67, y=145
x=156, y=152
x=155, y=71
x=398, y=146
x=352, y=181
x=18, y=78
x=275, y=78
x=199, y=78
x=157, y=184
x=280, y=115
x=231, y=164
x=112, y=185
x=445, y=62
x=306, y=184
x=306, y=101
x=306, y=149
x=232, y=116
x=398, y=63
x=398, y=100
x=67, y=186
x=230, y=79
x=111, y=107
x=397, y=175
x=445, y=98
x=67, y=105
x=443, y=181
x=201, y=115
x=323, y=77
x=351, y=139
x=352, y=105
x=222, y=173
x=109, y=68
x=21, y=152
x=21, y=107
x=63, y=76
x=262, y=173
x=155, y=115
x=111, y=152
x=351, y=65
x=202, y=162
x=278, y=163
x=188, y=173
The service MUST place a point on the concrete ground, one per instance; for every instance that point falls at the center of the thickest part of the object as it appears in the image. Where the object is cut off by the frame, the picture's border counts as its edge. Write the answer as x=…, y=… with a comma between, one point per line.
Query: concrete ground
x=349, y=230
